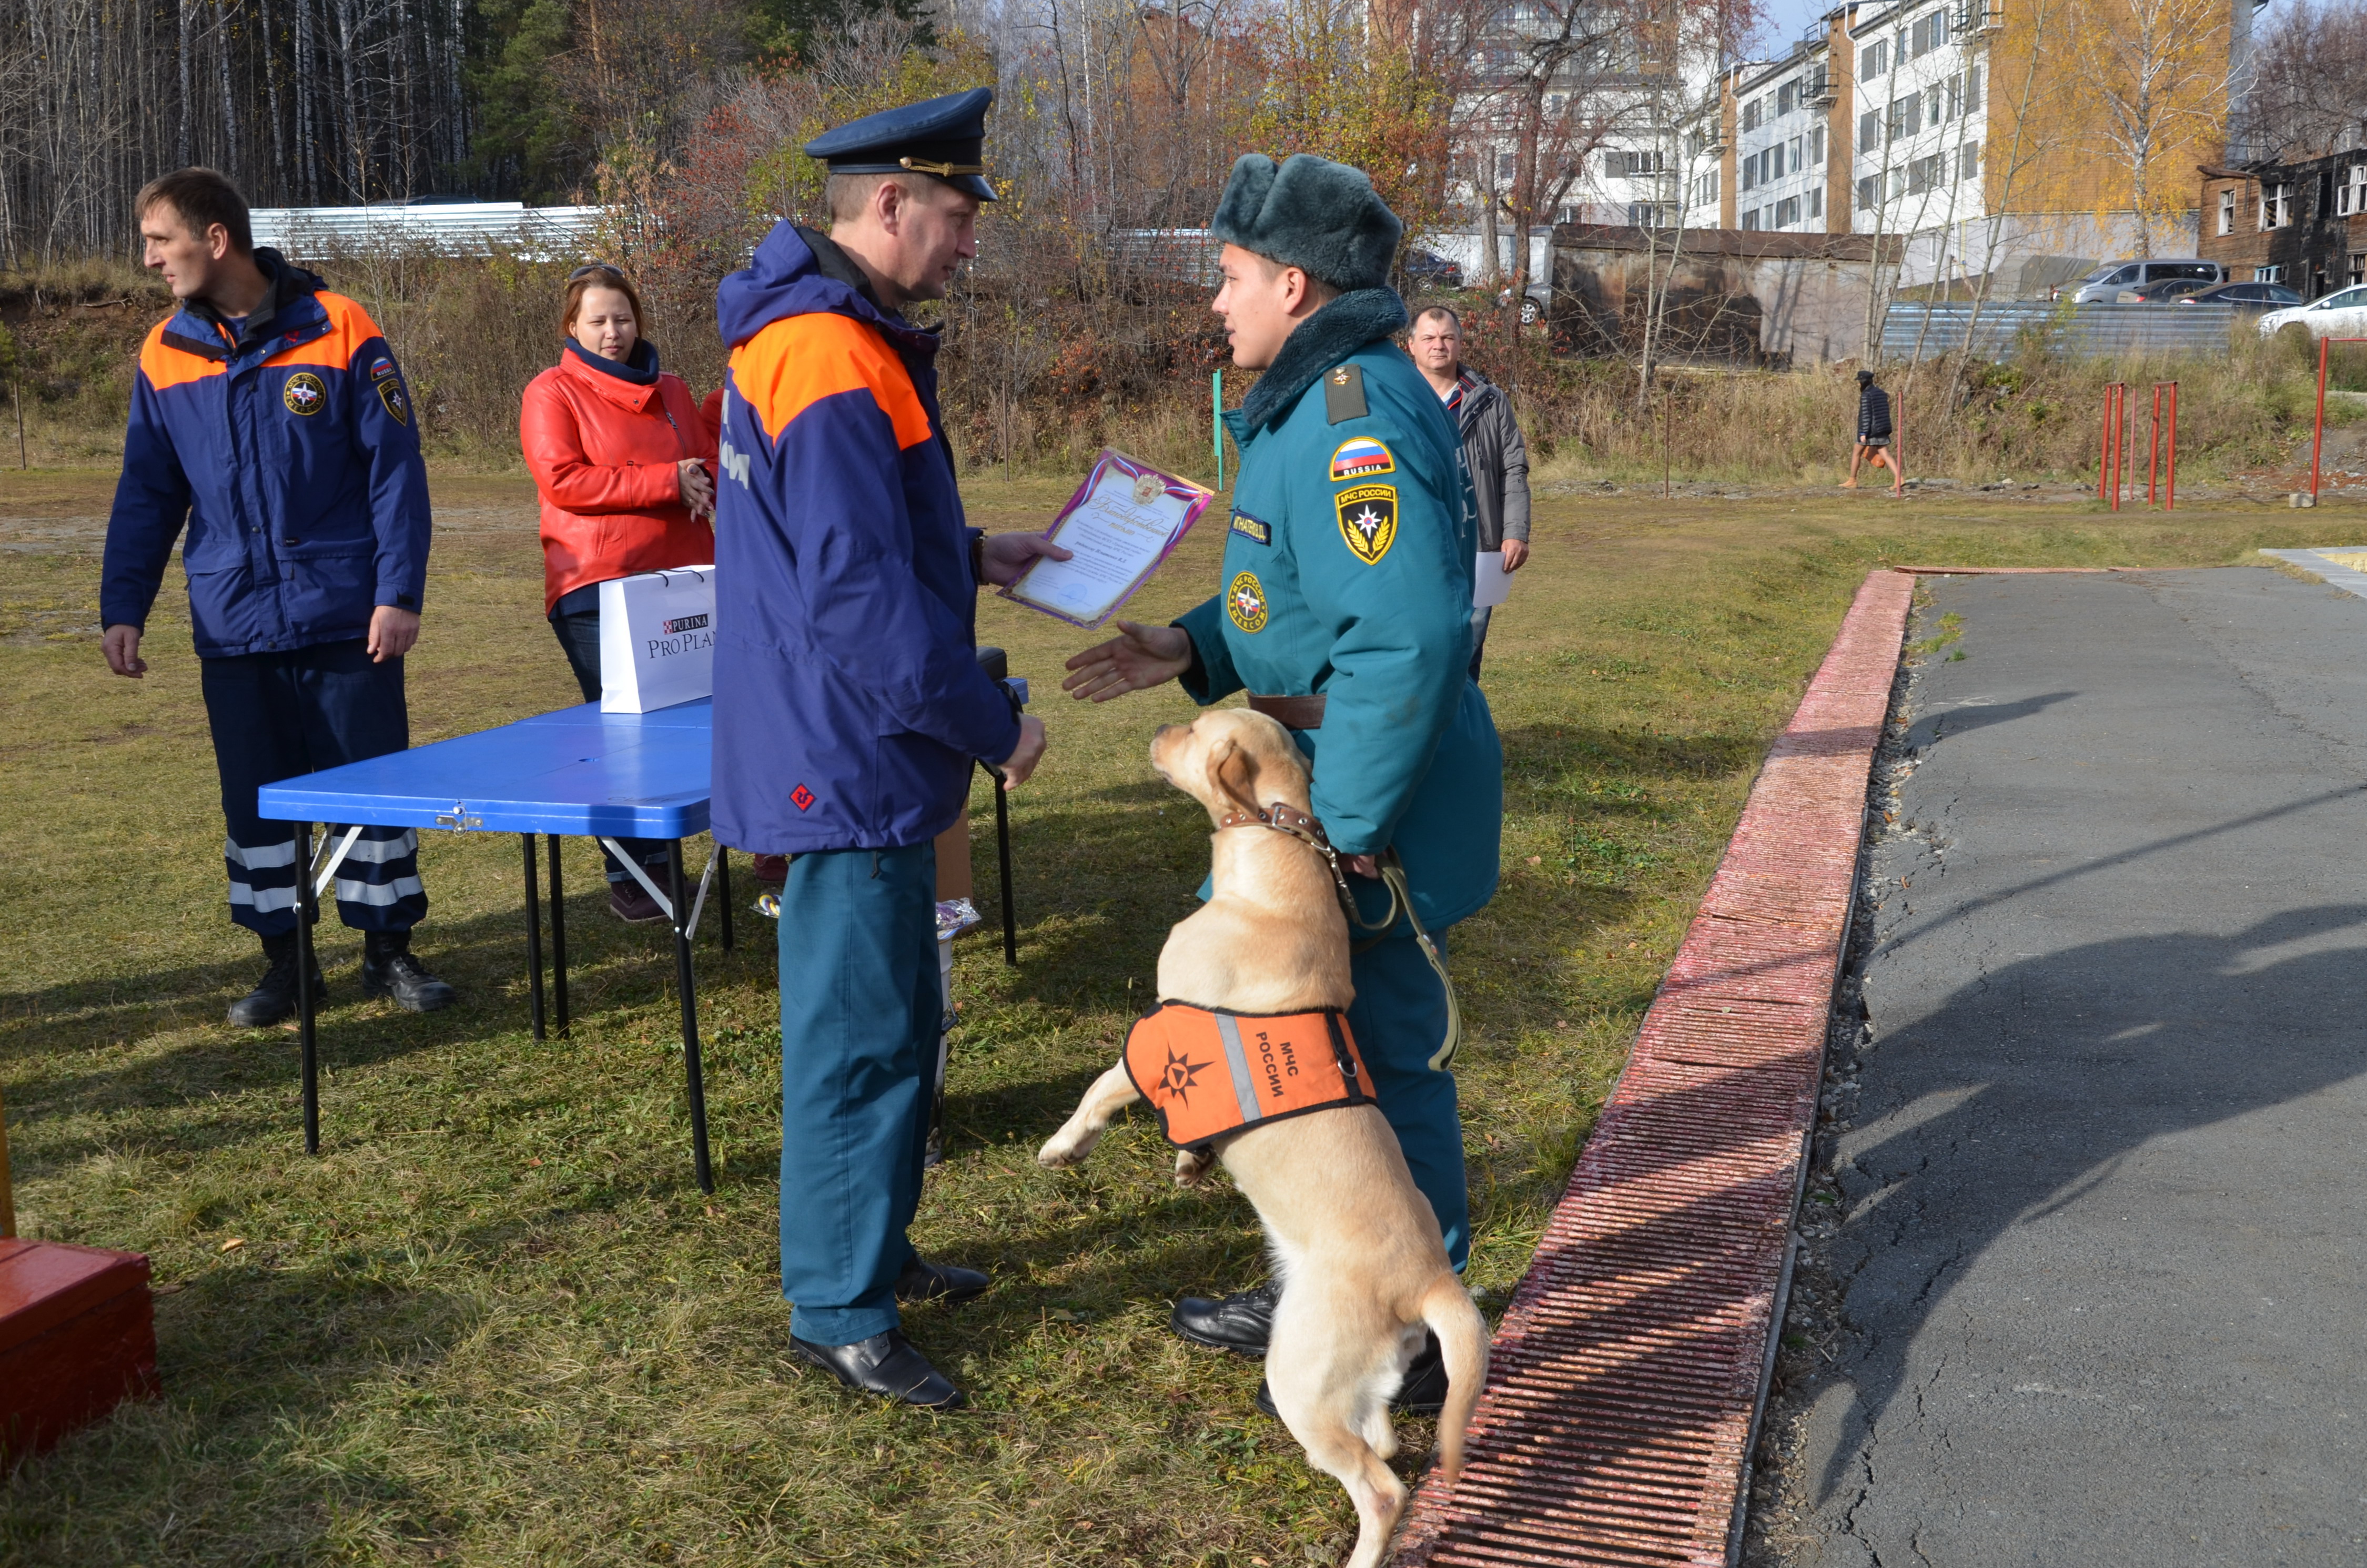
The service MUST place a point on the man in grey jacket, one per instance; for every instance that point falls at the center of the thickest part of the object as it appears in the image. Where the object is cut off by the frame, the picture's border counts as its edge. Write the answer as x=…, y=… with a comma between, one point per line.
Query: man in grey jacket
x=1492, y=448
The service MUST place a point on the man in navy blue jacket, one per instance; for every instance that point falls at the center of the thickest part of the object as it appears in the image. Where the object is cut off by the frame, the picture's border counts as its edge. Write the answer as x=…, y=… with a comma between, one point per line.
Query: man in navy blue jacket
x=849, y=703
x=270, y=416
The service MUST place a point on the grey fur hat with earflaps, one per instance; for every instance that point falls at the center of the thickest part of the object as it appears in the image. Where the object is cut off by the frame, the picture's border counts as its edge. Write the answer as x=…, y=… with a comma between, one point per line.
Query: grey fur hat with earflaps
x=1309, y=212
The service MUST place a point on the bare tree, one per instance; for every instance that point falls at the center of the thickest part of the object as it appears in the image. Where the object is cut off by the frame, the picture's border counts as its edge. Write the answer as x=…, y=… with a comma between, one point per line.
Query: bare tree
x=2306, y=92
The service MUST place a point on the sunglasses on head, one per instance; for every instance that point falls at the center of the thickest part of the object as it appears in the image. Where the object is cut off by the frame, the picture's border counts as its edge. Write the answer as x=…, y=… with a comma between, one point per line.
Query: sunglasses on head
x=587, y=271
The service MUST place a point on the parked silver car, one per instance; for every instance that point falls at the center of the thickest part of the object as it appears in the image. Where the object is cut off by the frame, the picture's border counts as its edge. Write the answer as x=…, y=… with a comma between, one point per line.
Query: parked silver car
x=2117, y=282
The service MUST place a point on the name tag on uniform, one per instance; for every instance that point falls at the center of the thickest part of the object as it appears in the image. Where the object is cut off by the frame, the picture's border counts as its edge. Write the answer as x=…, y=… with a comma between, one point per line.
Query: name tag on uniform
x=1249, y=528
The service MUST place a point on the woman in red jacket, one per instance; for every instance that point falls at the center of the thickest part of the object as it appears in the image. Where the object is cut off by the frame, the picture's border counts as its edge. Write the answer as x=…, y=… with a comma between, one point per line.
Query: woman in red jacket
x=625, y=465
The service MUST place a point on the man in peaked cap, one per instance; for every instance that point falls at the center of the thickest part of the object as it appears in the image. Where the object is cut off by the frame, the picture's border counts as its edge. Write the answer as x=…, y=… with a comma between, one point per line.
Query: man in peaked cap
x=849, y=702
x=1345, y=610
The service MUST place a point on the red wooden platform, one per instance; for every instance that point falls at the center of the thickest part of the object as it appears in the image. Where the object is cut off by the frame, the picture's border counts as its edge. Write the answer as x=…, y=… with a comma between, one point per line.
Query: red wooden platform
x=77, y=1335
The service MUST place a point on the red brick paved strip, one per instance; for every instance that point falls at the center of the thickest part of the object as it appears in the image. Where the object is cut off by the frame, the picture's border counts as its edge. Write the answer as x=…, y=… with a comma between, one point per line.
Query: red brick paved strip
x=1628, y=1372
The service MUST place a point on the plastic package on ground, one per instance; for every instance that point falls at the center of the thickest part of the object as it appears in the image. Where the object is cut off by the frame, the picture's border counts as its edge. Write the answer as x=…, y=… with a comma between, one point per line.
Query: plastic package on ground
x=955, y=915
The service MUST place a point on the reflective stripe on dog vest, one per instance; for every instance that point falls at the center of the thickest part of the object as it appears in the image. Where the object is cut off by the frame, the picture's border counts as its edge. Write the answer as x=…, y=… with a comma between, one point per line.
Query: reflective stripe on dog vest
x=1206, y=1072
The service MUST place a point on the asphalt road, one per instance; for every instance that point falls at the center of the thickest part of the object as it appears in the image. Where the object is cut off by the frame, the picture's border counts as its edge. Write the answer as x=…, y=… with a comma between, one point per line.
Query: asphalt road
x=2106, y=1178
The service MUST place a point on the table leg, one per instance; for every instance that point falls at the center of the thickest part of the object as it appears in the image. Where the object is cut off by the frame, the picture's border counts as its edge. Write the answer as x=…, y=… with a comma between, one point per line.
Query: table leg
x=307, y=1047
x=533, y=934
x=685, y=986
x=723, y=888
x=558, y=940
x=1003, y=853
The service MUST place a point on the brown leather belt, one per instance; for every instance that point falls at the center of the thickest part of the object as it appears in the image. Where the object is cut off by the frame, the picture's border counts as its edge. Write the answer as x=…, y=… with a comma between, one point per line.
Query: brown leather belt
x=1290, y=712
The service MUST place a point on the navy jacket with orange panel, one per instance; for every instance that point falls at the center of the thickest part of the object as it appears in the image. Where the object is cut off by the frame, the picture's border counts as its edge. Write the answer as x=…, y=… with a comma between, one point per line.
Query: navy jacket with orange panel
x=293, y=456
x=848, y=697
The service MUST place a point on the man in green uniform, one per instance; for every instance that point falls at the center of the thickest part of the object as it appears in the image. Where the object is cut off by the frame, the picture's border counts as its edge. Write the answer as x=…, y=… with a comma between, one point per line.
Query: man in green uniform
x=1345, y=611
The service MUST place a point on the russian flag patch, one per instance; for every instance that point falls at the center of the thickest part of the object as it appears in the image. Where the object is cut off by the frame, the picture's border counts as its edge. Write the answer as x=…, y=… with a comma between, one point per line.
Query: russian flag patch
x=1361, y=459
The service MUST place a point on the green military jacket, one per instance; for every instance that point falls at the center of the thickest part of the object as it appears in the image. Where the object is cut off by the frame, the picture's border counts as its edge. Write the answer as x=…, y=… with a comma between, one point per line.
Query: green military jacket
x=1348, y=572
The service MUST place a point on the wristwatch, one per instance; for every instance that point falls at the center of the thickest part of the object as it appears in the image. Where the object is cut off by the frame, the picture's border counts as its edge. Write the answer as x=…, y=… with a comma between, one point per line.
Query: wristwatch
x=978, y=558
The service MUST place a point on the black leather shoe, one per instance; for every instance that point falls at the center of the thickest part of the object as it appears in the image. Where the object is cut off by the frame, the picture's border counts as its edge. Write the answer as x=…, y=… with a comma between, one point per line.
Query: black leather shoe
x=1424, y=1391
x=887, y=1366
x=950, y=1282
x=390, y=969
x=1240, y=1322
x=274, y=997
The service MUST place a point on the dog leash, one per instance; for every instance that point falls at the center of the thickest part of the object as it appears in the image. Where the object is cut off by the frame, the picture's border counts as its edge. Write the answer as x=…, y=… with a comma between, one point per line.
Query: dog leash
x=1289, y=820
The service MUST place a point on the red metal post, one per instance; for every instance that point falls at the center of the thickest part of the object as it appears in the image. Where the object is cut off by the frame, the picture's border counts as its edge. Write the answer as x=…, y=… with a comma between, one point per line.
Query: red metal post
x=2153, y=448
x=2104, y=448
x=2169, y=501
x=2318, y=432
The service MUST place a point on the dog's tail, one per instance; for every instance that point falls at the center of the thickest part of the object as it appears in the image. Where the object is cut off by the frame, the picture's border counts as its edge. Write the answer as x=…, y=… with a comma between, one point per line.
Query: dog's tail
x=1450, y=1312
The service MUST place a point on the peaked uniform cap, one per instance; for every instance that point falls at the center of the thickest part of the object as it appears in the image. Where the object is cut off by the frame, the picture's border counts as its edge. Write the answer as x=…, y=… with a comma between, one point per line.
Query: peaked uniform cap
x=945, y=138
x=1309, y=212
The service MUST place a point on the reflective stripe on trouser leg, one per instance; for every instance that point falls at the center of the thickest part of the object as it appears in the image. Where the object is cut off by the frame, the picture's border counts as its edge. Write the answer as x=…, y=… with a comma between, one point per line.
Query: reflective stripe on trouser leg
x=378, y=883
x=263, y=878
x=1399, y=1016
x=860, y=1007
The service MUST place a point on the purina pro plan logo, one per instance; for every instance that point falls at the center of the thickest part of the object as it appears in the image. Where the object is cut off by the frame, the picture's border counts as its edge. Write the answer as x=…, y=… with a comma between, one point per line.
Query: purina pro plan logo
x=684, y=634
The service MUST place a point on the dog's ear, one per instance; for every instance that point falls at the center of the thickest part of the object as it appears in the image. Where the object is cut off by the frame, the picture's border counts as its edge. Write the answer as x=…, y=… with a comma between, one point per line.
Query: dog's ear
x=1233, y=773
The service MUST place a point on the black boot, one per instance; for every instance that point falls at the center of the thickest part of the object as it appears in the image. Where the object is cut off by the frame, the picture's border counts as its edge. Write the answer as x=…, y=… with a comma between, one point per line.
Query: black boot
x=390, y=969
x=274, y=997
x=1240, y=1322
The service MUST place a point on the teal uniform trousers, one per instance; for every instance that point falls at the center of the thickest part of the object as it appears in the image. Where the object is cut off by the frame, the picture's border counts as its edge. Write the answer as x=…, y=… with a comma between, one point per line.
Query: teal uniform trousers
x=860, y=1007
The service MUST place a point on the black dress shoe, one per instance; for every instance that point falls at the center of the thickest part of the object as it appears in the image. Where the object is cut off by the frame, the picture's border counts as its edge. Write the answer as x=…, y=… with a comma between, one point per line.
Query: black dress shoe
x=887, y=1366
x=1241, y=1323
x=1423, y=1393
x=925, y=1281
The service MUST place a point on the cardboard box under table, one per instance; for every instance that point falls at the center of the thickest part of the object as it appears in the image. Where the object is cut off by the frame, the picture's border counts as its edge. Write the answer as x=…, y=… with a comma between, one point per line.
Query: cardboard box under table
x=577, y=771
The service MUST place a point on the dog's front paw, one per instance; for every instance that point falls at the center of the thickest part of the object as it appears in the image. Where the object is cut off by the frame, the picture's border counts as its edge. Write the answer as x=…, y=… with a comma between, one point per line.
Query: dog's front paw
x=1062, y=1152
x=1190, y=1164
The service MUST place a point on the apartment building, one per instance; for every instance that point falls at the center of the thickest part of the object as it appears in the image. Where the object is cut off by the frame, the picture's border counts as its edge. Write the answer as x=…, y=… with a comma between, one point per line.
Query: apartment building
x=1772, y=155
x=2303, y=224
x=1883, y=121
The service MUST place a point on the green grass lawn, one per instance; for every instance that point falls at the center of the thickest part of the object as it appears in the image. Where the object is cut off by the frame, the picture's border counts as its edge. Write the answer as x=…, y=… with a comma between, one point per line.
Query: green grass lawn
x=496, y=1322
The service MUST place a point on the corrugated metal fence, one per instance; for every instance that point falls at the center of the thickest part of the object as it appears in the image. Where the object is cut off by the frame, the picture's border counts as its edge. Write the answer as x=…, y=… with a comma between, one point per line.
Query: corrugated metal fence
x=2086, y=332
x=455, y=228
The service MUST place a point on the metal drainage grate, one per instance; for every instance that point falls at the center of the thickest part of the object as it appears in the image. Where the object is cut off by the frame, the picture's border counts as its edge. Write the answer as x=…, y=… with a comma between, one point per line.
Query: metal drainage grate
x=1628, y=1372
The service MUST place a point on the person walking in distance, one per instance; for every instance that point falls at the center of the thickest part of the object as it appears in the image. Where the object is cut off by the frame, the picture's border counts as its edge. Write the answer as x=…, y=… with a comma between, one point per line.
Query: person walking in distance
x=1875, y=440
x=270, y=416
x=1492, y=446
x=849, y=702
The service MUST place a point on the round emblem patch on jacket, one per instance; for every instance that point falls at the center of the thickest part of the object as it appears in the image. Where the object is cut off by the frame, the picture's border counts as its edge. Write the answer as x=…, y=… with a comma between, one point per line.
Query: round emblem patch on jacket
x=1368, y=520
x=305, y=393
x=1245, y=602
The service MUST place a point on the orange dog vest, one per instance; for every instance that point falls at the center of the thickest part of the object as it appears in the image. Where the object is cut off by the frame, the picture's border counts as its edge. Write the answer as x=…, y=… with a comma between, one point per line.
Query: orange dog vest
x=1207, y=1071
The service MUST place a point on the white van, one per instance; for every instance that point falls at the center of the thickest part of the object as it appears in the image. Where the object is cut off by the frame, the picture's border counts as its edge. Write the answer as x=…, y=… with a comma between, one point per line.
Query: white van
x=2116, y=282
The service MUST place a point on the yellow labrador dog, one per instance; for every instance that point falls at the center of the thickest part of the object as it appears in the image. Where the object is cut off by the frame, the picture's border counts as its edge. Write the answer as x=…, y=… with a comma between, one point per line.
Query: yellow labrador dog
x=1355, y=1244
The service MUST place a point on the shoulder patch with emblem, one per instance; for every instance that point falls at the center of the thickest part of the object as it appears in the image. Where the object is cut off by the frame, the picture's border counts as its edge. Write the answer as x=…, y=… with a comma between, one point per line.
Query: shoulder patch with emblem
x=390, y=392
x=381, y=369
x=304, y=393
x=1368, y=520
x=1245, y=602
x=1361, y=458
x=1251, y=529
x=1343, y=394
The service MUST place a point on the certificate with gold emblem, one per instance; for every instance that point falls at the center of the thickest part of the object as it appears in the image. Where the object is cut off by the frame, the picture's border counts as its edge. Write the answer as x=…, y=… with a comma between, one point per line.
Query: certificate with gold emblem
x=1123, y=521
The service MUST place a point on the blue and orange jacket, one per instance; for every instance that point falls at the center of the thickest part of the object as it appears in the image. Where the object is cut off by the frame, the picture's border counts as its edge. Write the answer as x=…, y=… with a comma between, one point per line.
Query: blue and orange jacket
x=293, y=457
x=848, y=697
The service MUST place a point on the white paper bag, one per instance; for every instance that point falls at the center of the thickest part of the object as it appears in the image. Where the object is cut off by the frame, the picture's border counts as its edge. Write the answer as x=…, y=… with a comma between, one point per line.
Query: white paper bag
x=657, y=640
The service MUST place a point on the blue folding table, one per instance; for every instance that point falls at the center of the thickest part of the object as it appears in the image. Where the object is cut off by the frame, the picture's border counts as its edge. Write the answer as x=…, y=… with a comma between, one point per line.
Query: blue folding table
x=577, y=771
